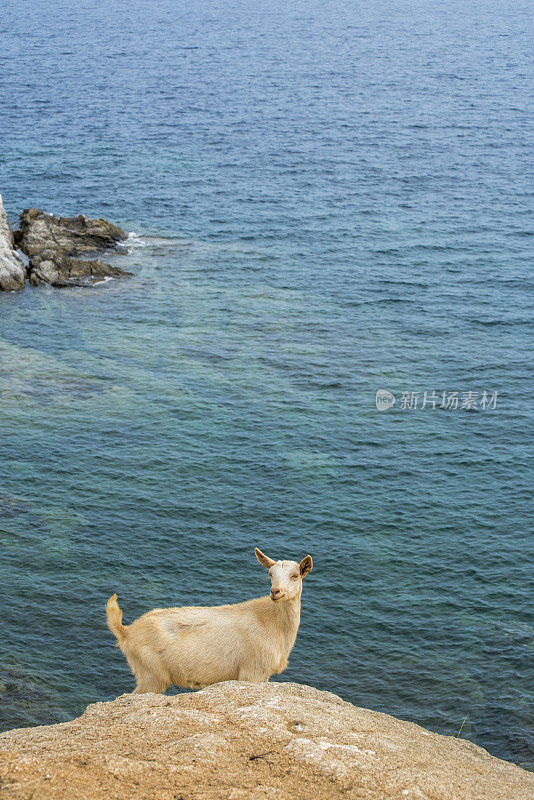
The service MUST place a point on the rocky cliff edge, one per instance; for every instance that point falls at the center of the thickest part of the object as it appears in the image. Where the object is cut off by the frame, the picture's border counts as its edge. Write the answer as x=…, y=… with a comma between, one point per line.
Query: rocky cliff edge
x=244, y=741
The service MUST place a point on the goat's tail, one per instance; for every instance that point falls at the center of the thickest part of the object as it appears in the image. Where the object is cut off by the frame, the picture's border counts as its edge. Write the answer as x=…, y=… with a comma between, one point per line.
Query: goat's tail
x=114, y=619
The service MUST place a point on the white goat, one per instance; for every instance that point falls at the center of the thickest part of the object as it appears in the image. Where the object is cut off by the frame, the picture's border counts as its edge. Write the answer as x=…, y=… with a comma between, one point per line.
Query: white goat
x=196, y=646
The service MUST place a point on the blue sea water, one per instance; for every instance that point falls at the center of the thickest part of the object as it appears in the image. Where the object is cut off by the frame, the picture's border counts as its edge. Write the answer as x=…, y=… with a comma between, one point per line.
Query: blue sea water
x=329, y=198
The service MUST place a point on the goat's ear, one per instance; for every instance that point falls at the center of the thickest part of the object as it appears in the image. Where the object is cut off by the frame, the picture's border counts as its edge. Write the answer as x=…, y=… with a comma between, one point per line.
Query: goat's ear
x=264, y=560
x=306, y=565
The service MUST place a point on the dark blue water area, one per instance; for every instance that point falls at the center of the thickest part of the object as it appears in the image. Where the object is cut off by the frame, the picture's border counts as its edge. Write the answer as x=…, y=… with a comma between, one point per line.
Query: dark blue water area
x=329, y=198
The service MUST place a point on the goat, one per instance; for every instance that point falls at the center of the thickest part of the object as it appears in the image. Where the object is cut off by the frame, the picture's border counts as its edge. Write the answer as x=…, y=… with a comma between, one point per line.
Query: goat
x=194, y=646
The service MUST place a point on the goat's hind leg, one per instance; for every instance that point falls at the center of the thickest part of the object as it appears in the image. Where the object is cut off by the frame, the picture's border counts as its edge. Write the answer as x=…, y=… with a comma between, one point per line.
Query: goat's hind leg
x=147, y=682
x=149, y=677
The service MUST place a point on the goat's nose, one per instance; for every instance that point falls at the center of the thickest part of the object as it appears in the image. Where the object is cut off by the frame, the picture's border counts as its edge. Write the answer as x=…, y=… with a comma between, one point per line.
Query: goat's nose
x=276, y=592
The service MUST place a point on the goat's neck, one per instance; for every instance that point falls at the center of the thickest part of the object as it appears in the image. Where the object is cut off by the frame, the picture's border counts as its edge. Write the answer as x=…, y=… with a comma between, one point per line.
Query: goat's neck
x=284, y=618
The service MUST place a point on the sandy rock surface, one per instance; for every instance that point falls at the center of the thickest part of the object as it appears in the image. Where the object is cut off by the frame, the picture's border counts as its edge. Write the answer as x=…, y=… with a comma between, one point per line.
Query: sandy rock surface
x=244, y=741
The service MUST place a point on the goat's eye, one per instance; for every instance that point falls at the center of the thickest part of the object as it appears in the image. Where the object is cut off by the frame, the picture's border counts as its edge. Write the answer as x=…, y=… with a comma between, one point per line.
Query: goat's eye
x=294, y=577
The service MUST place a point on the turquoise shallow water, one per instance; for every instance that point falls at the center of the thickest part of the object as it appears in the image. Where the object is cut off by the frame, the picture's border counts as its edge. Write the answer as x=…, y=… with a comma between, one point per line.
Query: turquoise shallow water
x=331, y=199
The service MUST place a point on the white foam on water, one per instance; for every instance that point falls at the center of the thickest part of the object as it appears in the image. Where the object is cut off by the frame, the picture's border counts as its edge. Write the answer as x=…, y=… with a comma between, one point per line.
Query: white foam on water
x=106, y=279
x=133, y=241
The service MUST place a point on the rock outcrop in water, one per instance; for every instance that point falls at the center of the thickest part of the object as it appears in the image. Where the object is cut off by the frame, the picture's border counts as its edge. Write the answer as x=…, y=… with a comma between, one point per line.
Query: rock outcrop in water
x=12, y=270
x=244, y=741
x=53, y=245
x=58, y=250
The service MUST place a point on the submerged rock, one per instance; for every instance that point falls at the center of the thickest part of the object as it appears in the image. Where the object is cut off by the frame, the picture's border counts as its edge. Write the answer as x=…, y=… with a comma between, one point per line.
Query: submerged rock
x=246, y=741
x=52, y=245
x=12, y=271
x=25, y=701
x=62, y=271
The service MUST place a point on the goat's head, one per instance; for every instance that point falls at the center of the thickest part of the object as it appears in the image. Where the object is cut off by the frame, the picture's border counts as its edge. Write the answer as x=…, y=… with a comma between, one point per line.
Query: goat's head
x=286, y=576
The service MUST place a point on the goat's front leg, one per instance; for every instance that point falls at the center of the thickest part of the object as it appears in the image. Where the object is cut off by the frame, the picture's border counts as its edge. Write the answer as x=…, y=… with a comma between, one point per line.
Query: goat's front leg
x=253, y=674
x=280, y=667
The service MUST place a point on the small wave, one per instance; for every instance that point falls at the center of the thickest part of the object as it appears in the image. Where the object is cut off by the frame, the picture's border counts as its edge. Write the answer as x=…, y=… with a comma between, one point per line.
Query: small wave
x=134, y=241
x=403, y=283
x=105, y=279
x=504, y=323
